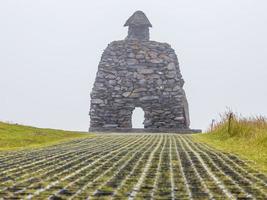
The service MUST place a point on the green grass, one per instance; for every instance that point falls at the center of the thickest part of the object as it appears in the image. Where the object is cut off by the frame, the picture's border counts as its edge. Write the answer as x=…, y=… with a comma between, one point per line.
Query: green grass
x=246, y=137
x=16, y=137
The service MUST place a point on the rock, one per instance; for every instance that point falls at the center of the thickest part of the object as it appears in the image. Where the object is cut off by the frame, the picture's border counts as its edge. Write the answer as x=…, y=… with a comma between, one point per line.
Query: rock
x=134, y=95
x=140, y=90
x=112, y=82
x=126, y=94
x=140, y=56
x=171, y=66
x=145, y=71
x=156, y=61
x=110, y=76
x=132, y=61
x=149, y=98
x=131, y=55
x=97, y=101
x=171, y=74
x=136, y=67
x=176, y=88
x=142, y=82
x=117, y=88
x=110, y=126
x=153, y=54
x=99, y=84
x=179, y=118
x=155, y=76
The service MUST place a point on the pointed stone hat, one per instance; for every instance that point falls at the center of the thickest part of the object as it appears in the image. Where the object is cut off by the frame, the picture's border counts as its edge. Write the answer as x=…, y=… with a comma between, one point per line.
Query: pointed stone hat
x=138, y=19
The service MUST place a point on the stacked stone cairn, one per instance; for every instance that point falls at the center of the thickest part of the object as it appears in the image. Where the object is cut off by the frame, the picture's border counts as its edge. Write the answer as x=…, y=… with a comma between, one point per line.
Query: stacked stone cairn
x=137, y=72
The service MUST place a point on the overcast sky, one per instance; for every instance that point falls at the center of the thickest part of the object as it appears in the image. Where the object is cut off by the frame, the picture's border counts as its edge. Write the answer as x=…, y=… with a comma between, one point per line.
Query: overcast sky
x=50, y=49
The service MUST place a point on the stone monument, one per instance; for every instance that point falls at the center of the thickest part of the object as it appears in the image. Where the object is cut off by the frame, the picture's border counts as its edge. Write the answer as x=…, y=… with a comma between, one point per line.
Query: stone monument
x=137, y=72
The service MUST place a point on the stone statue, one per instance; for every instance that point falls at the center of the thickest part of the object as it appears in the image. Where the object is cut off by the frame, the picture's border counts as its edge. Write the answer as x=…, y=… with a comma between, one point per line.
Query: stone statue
x=137, y=72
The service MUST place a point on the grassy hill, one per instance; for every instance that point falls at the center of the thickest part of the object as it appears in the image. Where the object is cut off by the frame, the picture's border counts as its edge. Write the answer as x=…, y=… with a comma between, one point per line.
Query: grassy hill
x=13, y=136
x=246, y=137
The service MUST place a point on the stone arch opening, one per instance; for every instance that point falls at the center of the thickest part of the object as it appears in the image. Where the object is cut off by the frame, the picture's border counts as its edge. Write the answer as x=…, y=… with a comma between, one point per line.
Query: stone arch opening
x=138, y=118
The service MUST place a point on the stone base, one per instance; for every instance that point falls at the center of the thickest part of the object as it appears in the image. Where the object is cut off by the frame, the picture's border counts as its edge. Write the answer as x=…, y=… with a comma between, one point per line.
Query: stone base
x=144, y=130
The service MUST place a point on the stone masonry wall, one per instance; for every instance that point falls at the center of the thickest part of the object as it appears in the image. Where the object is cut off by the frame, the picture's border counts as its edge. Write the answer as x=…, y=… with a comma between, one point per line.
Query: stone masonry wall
x=144, y=74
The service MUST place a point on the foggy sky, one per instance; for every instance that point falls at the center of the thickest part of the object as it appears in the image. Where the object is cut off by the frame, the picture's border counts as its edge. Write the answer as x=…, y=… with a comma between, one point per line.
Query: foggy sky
x=50, y=49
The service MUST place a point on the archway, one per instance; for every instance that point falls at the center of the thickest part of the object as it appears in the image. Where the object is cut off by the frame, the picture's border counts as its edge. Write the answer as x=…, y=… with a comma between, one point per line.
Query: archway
x=138, y=117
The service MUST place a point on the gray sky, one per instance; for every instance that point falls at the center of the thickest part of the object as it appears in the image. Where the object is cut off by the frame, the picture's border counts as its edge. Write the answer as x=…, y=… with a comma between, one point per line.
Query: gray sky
x=50, y=49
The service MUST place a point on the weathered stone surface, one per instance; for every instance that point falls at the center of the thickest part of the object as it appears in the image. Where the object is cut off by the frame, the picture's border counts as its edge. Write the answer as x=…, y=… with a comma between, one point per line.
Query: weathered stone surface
x=145, y=71
x=156, y=60
x=97, y=101
x=132, y=61
x=136, y=72
x=110, y=126
x=171, y=66
x=149, y=98
x=126, y=94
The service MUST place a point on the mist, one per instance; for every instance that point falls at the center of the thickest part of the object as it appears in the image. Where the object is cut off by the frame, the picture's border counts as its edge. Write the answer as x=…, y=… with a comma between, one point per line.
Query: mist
x=49, y=53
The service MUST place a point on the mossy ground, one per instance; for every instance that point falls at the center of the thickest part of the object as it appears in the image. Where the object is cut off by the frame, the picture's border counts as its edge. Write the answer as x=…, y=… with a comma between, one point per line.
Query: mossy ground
x=119, y=166
x=16, y=137
x=246, y=137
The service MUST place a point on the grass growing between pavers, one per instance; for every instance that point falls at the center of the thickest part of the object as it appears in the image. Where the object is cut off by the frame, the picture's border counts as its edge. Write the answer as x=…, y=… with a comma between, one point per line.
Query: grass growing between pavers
x=128, y=166
x=246, y=137
x=18, y=137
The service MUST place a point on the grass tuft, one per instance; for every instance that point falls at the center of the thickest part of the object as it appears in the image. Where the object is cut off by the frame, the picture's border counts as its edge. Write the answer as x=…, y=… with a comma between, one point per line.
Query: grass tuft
x=246, y=137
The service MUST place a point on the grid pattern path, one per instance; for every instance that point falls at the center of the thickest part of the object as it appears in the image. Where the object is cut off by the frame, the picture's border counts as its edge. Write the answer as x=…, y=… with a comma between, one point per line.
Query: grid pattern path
x=129, y=166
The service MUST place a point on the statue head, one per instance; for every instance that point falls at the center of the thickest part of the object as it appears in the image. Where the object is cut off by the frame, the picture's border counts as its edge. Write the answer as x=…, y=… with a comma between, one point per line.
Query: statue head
x=138, y=27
